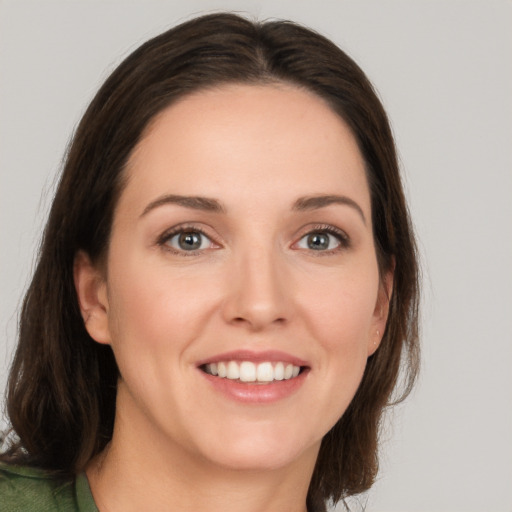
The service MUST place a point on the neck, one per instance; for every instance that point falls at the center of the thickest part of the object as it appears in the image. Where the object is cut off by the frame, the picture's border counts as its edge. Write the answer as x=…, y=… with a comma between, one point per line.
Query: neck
x=119, y=483
x=140, y=470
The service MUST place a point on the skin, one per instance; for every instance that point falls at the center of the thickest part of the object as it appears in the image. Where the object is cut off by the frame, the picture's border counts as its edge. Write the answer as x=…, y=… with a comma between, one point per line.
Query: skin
x=255, y=284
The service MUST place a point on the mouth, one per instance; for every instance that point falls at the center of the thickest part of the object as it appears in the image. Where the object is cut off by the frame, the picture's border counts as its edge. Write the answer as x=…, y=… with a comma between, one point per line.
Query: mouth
x=264, y=372
x=255, y=378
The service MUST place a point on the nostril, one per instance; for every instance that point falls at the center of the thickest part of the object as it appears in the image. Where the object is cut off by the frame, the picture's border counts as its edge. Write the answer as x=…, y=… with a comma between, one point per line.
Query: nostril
x=257, y=323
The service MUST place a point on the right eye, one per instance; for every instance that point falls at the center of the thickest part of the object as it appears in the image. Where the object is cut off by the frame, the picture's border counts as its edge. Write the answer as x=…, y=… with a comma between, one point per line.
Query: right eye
x=188, y=241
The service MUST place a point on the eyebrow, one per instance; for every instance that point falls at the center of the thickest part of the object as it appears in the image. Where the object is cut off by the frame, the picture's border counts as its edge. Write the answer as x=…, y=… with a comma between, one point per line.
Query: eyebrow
x=321, y=201
x=213, y=205
x=193, y=202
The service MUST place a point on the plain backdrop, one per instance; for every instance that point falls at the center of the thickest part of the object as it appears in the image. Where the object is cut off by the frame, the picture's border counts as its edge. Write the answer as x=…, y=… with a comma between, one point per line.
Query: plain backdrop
x=443, y=70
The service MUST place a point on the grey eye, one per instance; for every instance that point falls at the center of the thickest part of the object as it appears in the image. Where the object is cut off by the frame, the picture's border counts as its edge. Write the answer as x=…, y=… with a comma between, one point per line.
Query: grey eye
x=189, y=241
x=319, y=241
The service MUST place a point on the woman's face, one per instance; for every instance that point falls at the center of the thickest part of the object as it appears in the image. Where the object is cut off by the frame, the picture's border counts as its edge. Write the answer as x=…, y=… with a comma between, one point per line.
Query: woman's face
x=241, y=253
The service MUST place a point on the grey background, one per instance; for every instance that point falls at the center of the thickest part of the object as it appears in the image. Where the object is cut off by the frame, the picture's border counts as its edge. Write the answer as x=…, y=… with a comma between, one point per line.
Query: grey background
x=444, y=72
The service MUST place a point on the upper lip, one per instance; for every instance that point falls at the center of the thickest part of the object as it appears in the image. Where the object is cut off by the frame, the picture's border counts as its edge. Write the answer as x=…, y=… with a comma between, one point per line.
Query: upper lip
x=273, y=356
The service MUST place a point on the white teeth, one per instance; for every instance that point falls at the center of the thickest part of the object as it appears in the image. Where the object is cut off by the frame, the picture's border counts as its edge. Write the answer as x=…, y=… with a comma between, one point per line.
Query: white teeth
x=247, y=371
x=222, y=370
x=279, y=371
x=265, y=372
x=233, y=371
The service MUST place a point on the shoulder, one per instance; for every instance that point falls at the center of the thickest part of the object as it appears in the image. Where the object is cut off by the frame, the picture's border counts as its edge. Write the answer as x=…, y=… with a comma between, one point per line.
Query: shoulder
x=24, y=489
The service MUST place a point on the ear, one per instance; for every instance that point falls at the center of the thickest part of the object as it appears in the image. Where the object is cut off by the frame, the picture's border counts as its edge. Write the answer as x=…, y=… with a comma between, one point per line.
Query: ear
x=91, y=290
x=381, y=312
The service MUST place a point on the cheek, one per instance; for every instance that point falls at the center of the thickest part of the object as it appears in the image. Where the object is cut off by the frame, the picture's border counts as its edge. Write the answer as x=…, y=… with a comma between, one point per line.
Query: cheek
x=150, y=306
x=341, y=308
x=344, y=338
x=155, y=318
x=340, y=316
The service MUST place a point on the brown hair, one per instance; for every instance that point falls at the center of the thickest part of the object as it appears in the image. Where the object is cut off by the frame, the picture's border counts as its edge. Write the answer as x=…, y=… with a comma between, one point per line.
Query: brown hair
x=62, y=385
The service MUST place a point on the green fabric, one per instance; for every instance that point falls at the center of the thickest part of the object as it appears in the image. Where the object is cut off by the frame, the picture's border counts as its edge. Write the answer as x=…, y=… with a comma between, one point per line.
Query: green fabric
x=24, y=489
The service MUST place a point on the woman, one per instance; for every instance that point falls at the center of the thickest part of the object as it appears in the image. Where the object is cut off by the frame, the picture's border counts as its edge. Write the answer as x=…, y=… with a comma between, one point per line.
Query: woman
x=226, y=294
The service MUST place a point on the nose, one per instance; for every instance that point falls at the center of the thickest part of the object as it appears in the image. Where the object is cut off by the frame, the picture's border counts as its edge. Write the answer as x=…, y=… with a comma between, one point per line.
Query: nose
x=259, y=292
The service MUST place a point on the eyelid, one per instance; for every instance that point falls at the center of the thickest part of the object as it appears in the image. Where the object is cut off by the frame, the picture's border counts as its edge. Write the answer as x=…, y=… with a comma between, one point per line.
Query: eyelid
x=340, y=234
x=163, y=238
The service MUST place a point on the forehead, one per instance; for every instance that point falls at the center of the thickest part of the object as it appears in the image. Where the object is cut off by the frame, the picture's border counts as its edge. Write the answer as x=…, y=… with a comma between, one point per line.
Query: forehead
x=248, y=140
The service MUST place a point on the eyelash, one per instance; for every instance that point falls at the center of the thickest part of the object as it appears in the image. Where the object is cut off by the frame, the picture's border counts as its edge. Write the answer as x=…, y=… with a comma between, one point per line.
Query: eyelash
x=341, y=237
x=163, y=240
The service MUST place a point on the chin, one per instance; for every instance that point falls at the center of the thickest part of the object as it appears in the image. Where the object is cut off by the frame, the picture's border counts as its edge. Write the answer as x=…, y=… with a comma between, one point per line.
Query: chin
x=261, y=451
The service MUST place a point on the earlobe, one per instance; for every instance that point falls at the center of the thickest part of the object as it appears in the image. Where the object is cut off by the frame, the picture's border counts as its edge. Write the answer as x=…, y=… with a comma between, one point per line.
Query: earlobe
x=381, y=312
x=91, y=290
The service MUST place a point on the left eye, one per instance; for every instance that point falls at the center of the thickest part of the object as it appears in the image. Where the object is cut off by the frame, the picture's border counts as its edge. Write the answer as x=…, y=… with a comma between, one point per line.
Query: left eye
x=189, y=241
x=319, y=241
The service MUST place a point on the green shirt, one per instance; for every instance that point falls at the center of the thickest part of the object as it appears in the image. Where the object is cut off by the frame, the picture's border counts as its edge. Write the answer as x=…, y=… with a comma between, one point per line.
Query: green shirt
x=24, y=489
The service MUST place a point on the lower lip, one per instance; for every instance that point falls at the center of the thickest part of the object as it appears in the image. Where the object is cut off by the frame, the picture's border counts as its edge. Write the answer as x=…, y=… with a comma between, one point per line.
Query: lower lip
x=256, y=393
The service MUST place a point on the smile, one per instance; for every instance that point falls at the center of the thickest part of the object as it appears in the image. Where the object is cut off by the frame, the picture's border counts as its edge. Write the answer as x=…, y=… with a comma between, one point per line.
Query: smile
x=249, y=372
